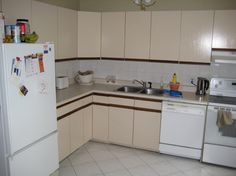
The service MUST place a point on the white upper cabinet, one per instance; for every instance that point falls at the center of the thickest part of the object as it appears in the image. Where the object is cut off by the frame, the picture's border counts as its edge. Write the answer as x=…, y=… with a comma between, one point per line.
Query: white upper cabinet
x=196, y=36
x=113, y=34
x=137, y=38
x=67, y=33
x=44, y=22
x=224, y=33
x=15, y=9
x=165, y=35
x=89, y=34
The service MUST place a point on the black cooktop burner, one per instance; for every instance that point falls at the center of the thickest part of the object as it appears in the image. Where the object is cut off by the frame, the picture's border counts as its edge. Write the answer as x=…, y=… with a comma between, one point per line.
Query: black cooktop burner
x=222, y=100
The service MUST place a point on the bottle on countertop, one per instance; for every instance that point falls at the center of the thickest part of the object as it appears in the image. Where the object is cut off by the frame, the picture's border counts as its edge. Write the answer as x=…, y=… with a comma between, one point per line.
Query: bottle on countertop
x=161, y=83
x=174, y=78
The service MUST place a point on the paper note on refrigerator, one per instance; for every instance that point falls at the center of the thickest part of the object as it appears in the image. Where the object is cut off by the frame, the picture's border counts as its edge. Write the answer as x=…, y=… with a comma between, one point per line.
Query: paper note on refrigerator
x=31, y=65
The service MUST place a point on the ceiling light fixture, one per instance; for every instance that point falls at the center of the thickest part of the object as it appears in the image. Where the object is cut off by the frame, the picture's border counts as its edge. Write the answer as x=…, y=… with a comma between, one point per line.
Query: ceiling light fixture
x=144, y=3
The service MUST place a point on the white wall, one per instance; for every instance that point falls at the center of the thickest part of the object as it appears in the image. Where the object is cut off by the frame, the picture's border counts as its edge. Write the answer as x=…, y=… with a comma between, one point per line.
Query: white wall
x=149, y=71
x=69, y=69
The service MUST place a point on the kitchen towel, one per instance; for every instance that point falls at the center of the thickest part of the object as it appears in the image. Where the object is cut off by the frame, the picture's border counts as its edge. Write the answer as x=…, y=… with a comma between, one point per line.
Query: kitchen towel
x=224, y=118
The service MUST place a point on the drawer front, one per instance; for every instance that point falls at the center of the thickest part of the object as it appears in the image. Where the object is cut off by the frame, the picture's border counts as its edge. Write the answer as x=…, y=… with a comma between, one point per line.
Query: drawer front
x=148, y=104
x=74, y=105
x=68, y=108
x=100, y=99
x=121, y=101
x=86, y=100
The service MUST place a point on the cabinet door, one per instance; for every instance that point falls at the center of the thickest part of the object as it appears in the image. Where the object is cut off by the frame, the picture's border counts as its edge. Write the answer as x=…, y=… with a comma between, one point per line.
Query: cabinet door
x=100, y=122
x=45, y=22
x=113, y=34
x=63, y=126
x=121, y=125
x=137, y=38
x=89, y=34
x=76, y=130
x=146, y=130
x=67, y=33
x=224, y=33
x=165, y=35
x=13, y=9
x=196, y=36
x=87, y=120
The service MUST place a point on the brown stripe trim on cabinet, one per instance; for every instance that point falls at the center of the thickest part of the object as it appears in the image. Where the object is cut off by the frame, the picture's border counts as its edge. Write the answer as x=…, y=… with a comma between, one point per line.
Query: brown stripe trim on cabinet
x=108, y=105
x=164, y=61
x=148, y=110
x=73, y=111
x=224, y=49
x=66, y=59
x=136, y=60
x=147, y=99
x=74, y=100
x=194, y=63
x=100, y=104
x=113, y=58
x=113, y=95
x=110, y=95
x=88, y=58
x=101, y=94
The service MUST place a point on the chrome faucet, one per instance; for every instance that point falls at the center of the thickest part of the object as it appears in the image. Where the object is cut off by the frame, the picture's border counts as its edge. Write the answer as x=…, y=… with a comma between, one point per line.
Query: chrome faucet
x=144, y=84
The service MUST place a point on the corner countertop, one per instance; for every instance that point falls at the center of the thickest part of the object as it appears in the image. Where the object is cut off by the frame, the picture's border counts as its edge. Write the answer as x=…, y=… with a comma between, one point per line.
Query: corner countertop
x=76, y=91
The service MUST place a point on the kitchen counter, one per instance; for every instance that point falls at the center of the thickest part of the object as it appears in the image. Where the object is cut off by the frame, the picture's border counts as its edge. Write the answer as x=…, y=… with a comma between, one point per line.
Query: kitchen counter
x=76, y=91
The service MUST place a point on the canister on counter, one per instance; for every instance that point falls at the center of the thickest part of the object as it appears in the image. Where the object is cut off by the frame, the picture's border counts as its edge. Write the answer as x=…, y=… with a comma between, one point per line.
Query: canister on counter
x=15, y=32
x=24, y=26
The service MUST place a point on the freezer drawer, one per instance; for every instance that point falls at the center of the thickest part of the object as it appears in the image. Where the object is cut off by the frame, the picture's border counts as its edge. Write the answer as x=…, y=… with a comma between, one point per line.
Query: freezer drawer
x=41, y=159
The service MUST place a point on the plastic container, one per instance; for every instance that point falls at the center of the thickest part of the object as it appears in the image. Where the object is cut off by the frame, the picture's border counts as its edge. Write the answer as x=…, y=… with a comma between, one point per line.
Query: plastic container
x=174, y=86
x=15, y=32
x=24, y=26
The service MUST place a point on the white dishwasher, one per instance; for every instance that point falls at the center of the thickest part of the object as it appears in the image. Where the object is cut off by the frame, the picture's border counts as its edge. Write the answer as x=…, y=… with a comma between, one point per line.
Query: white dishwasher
x=182, y=129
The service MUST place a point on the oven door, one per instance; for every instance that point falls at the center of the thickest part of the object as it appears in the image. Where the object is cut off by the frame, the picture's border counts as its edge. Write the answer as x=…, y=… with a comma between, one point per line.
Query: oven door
x=214, y=135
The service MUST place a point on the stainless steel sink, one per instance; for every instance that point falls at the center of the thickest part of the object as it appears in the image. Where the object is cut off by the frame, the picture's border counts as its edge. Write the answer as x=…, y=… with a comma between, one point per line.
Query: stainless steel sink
x=142, y=90
x=130, y=89
x=149, y=91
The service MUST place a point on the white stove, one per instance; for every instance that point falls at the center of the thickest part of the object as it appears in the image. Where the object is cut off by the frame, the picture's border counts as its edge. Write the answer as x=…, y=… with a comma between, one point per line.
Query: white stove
x=220, y=143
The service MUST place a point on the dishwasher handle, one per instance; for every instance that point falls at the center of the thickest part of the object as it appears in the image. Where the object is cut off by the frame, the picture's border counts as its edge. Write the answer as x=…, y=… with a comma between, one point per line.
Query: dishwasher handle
x=184, y=108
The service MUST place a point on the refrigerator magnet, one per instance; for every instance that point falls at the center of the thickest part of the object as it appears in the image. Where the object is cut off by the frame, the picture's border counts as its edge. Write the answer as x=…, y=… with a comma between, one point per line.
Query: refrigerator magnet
x=23, y=90
x=41, y=64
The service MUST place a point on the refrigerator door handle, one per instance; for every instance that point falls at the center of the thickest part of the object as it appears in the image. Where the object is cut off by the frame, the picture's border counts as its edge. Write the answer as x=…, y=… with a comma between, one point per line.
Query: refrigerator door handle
x=28, y=146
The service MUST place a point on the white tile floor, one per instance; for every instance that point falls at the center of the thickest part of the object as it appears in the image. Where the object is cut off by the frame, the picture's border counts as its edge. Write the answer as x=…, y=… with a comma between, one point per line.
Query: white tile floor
x=98, y=159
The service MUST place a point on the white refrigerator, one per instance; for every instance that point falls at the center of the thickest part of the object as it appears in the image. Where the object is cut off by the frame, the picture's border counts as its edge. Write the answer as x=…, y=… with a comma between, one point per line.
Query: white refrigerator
x=28, y=126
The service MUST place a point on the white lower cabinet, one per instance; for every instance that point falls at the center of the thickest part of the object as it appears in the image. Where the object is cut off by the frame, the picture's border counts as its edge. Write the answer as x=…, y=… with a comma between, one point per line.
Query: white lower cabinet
x=100, y=123
x=76, y=130
x=121, y=125
x=146, y=130
x=63, y=126
x=87, y=123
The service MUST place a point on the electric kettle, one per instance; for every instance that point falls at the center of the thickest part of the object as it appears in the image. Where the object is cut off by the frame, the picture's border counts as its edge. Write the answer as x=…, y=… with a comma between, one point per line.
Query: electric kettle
x=202, y=86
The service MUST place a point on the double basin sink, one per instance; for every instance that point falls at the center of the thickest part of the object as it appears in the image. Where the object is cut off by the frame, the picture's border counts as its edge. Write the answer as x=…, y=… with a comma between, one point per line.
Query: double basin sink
x=140, y=90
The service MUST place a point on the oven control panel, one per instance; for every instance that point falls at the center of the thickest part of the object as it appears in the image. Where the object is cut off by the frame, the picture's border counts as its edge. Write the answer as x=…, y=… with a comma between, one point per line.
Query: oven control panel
x=223, y=87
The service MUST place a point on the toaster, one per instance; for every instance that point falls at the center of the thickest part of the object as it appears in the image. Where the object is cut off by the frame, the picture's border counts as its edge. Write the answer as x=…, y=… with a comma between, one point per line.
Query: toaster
x=62, y=82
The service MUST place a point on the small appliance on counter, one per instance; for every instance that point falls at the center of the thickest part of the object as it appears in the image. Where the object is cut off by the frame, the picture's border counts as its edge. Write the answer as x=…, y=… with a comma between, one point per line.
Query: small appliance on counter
x=84, y=78
x=202, y=86
x=62, y=82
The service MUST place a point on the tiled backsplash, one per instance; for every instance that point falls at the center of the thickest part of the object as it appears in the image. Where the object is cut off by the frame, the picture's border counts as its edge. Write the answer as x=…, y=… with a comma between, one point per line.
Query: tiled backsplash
x=147, y=71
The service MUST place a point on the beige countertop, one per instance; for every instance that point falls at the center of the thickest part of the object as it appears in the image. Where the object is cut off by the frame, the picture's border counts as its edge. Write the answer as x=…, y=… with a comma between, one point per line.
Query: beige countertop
x=75, y=91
